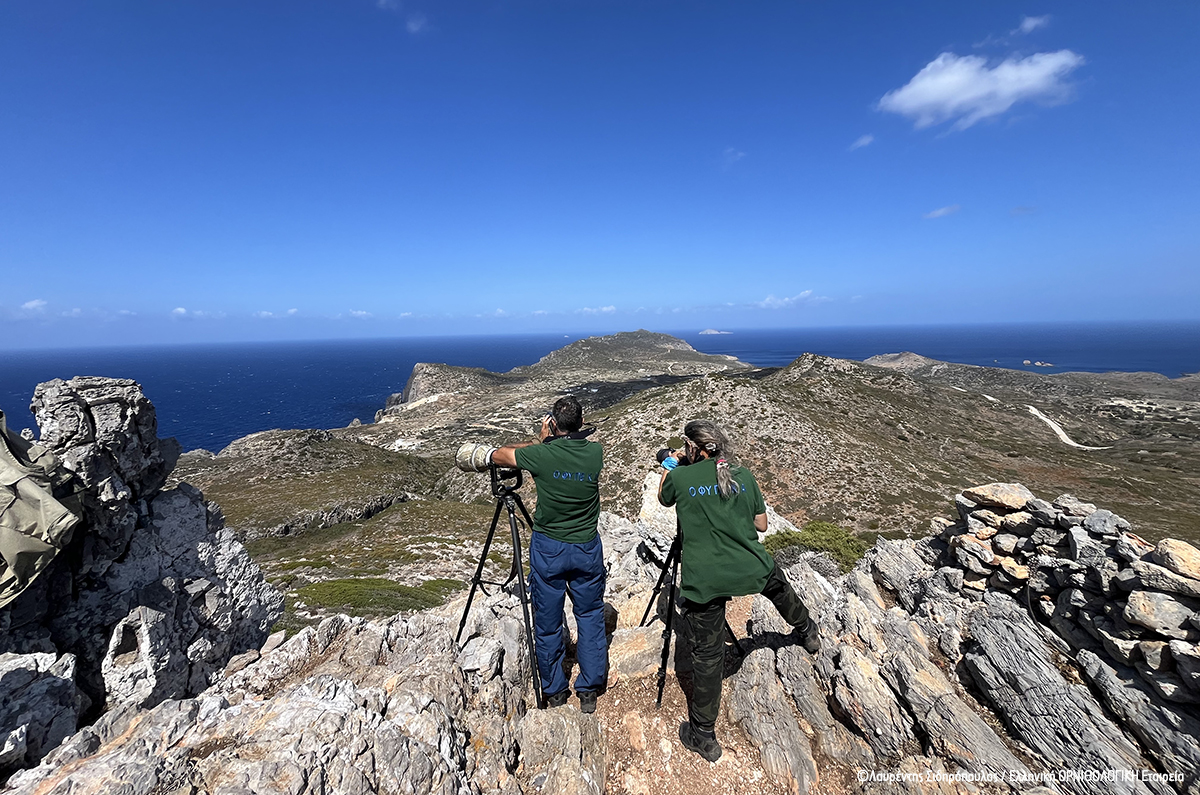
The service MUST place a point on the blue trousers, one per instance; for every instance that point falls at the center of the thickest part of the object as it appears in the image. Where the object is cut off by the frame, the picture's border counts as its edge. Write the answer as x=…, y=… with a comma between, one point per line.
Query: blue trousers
x=556, y=569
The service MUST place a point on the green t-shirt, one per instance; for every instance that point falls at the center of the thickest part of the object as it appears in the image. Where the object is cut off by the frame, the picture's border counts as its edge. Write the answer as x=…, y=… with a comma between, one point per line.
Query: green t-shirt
x=567, y=474
x=721, y=552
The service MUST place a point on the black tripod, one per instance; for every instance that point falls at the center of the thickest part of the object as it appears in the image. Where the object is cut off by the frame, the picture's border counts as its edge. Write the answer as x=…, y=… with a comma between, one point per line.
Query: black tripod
x=672, y=564
x=507, y=497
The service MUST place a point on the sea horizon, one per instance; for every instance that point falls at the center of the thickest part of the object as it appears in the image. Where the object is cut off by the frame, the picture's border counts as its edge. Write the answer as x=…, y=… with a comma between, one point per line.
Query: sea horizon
x=208, y=394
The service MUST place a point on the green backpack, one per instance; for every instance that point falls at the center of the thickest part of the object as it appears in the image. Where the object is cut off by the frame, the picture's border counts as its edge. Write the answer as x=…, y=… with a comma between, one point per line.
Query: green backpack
x=34, y=524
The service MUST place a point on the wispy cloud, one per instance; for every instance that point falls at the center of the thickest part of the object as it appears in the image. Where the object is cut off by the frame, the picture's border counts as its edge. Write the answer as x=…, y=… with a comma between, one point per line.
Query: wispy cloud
x=1030, y=24
x=388, y=5
x=599, y=310
x=416, y=23
x=730, y=157
x=805, y=297
x=36, y=305
x=967, y=90
x=942, y=212
x=359, y=313
x=179, y=311
x=861, y=141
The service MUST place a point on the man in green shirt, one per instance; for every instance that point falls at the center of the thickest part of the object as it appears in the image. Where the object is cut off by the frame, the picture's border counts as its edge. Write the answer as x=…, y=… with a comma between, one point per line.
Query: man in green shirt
x=565, y=552
x=721, y=512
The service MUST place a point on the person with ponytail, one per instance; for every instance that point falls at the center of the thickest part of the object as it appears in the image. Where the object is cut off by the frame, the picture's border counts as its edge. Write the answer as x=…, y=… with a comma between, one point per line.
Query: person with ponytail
x=721, y=512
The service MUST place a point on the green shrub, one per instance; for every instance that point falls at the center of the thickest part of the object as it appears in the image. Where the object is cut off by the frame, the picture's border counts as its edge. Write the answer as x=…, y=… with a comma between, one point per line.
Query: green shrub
x=376, y=596
x=842, y=545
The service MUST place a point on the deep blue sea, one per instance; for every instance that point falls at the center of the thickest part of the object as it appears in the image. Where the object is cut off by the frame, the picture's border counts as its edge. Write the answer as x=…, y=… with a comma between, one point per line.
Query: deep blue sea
x=209, y=395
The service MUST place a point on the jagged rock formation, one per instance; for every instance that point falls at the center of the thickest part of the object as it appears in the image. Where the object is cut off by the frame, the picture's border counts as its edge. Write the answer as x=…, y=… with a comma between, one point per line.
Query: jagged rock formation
x=928, y=669
x=148, y=602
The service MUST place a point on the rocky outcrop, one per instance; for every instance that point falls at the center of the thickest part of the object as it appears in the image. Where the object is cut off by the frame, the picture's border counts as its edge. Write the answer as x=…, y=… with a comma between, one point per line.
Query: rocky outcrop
x=932, y=677
x=153, y=595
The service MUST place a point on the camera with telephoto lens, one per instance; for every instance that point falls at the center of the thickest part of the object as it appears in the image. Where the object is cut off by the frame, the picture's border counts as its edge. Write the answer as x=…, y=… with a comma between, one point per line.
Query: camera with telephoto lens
x=680, y=457
x=474, y=457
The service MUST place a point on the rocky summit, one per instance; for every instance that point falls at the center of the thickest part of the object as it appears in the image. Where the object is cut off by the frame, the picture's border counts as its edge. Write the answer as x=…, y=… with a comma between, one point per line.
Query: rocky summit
x=1033, y=636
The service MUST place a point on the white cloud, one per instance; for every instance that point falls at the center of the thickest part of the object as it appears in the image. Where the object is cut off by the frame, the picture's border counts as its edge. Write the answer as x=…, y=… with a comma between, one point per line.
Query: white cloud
x=806, y=297
x=179, y=311
x=406, y=314
x=943, y=211
x=36, y=305
x=731, y=156
x=863, y=140
x=599, y=310
x=1030, y=24
x=125, y=312
x=359, y=313
x=416, y=23
x=966, y=89
x=264, y=313
x=540, y=312
x=292, y=311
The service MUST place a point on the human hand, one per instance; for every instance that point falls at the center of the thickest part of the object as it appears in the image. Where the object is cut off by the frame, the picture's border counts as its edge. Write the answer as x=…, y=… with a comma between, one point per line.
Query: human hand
x=546, y=431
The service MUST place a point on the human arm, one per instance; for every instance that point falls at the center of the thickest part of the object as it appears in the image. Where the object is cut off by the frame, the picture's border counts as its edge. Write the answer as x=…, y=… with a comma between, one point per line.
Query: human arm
x=506, y=456
x=760, y=522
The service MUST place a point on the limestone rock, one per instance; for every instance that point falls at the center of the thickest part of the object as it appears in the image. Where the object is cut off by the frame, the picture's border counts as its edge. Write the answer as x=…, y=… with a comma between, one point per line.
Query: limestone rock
x=1019, y=523
x=1167, y=732
x=154, y=595
x=562, y=751
x=1148, y=576
x=1162, y=613
x=1104, y=523
x=1011, y=496
x=39, y=706
x=1073, y=506
x=1178, y=556
x=757, y=701
x=1059, y=720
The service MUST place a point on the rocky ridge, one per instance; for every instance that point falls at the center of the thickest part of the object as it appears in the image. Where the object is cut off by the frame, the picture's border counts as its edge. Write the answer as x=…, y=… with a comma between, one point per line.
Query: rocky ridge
x=150, y=599
x=929, y=679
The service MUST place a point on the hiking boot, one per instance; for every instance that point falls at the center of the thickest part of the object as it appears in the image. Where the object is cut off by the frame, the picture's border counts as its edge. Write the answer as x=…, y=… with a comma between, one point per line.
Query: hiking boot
x=558, y=699
x=809, y=637
x=700, y=741
x=587, y=701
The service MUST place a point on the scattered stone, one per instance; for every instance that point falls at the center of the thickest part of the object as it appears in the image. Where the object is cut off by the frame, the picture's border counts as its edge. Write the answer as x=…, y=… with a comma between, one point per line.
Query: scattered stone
x=1104, y=523
x=1162, y=613
x=1157, y=578
x=1073, y=506
x=1178, y=556
x=988, y=517
x=1043, y=512
x=1004, y=543
x=1156, y=654
x=1130, y=547
x=1011, y=496
x=1019, y=523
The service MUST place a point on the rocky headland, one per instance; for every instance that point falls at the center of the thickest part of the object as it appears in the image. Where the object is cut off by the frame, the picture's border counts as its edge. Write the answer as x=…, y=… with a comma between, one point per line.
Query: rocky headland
x=1010, y=644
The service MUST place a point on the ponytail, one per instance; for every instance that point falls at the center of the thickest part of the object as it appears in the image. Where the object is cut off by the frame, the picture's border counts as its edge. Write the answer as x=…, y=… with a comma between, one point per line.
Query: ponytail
x=712, y=440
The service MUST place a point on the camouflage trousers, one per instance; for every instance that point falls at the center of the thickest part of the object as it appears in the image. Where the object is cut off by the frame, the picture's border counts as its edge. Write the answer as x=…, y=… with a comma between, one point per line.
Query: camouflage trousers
x=706, y=628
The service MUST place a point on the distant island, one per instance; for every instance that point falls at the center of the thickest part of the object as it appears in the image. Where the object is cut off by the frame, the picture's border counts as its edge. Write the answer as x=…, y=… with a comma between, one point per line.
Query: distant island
x=714, y=331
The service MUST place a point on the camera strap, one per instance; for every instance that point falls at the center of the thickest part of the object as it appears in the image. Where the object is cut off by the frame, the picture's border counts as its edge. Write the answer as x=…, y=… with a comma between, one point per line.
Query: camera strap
x=582, y=433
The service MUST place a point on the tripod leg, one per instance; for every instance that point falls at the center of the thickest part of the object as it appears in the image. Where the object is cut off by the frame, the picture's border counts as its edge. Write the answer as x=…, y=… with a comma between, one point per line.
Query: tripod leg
x=736, y=643
x=487, y=545
x=519, y=568
x=666, y=652
x=672, y=556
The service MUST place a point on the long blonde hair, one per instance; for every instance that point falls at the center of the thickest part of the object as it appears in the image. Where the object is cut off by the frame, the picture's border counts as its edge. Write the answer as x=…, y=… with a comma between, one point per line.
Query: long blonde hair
x=711, y=439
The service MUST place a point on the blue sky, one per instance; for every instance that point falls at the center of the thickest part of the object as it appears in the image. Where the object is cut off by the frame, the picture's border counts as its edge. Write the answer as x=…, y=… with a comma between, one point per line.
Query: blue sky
x=191, y=171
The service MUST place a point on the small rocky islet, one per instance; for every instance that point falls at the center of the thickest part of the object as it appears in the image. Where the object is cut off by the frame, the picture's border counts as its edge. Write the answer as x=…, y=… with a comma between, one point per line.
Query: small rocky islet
x=280, y=616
